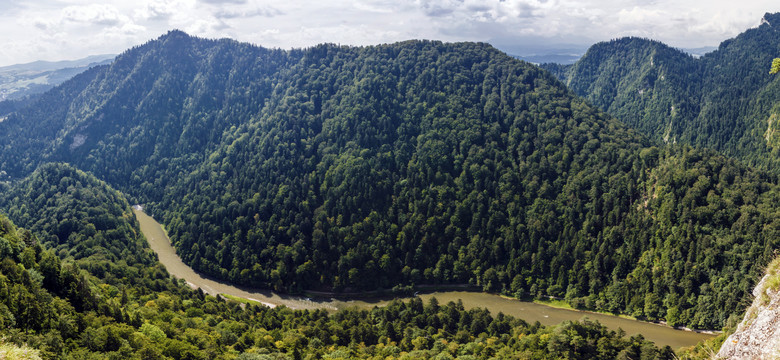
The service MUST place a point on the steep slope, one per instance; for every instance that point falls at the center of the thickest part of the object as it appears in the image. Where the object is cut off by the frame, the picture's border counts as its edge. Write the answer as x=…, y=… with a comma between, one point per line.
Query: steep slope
x=402, y=161
x=345, y=168
x=756, y=336
x=644, y=83
x=148, y=116
x=51, y=308
x=78, y=216
x=441, y=190
x=724, y=100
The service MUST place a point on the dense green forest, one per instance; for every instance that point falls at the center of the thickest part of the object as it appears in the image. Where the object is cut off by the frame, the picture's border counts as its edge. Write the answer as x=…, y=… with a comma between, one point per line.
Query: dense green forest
x=77, y=215
x=356, y=168
x=726, y=100
x=71, y=304
x=9, y=106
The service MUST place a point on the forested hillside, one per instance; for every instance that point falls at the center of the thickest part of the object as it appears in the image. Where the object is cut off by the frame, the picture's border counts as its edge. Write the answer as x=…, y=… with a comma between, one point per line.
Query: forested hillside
x=82, y=219
x=71, y=304
x=148, y=117
x=77, y=215
x=357, y=168
x=726, y=100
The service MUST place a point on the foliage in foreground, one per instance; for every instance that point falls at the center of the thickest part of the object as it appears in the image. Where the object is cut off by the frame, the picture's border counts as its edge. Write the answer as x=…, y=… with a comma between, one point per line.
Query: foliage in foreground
x=17, y=352
x=87, y=305
x=67, y=313
x=705, y=350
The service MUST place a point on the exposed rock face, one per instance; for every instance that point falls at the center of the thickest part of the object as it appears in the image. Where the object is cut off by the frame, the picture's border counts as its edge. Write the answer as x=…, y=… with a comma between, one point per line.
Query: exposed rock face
x=758, y=335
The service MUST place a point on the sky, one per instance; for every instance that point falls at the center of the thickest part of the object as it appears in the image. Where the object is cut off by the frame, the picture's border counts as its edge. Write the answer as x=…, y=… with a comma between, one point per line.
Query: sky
x=71, y=29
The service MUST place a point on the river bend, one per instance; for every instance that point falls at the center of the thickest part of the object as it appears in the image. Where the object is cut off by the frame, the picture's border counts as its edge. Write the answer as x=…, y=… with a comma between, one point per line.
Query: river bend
x=530, y=312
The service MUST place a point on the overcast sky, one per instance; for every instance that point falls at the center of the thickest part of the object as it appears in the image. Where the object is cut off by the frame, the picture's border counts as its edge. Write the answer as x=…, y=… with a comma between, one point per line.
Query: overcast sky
x=70, y=29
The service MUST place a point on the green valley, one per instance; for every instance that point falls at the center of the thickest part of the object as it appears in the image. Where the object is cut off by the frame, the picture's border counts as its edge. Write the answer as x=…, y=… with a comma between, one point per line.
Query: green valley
x=72, y=303
x=387, y=168
x=418, y=163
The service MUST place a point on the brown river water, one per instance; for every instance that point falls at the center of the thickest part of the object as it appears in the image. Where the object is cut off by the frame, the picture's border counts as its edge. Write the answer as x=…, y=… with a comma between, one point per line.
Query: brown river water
x=528, y=311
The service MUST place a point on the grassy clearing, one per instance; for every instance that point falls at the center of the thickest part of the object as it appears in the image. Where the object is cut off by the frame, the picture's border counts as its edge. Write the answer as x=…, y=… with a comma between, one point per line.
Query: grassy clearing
x=559, y=304
x=562, y=304
x=11, y=351
x=240, y=299
x=772, y=283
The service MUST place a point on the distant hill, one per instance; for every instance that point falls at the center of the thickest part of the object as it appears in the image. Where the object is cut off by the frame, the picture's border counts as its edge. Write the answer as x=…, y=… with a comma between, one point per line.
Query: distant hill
x=356, y=168
x=725, y=100
x=551, y=58
x=538, y=52
x=700, y=51
x=18, y=81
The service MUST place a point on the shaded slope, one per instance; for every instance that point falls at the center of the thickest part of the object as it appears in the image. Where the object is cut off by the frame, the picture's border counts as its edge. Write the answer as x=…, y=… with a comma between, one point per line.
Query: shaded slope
x=146, y=117
x=363, y=150
x=499, y=184
x=644, y=83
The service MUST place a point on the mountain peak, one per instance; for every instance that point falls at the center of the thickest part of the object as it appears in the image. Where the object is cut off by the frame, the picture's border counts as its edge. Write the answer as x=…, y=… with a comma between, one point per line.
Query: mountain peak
x=770, y=19
x=173, y=37
x=174, y=34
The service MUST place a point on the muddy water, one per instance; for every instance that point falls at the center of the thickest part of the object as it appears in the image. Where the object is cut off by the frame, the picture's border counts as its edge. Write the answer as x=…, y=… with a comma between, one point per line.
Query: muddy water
x=159, y=242
x=530, y=312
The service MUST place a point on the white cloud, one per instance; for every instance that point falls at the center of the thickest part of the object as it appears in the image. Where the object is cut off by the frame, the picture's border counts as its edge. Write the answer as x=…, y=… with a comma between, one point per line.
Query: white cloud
x=94, y=14
x=637, y=15
x=375, y=6
x=56, y=29
x=265, y=11
x=345, y=34
x=43, y=23
x=221, y=2
x=75, y=17
x=439, y=8
x=162, y=9
x=207, y=27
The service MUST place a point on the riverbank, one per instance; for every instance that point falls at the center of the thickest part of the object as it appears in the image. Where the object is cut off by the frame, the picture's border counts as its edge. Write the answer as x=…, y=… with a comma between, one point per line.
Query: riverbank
x=394, y=292
x=561, y=304
x=528, y=311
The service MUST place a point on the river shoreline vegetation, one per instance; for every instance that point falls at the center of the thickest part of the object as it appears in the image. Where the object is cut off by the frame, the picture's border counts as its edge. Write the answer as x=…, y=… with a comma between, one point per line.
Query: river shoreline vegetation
x=350, y=169
x=528, y=311
x=58, y=308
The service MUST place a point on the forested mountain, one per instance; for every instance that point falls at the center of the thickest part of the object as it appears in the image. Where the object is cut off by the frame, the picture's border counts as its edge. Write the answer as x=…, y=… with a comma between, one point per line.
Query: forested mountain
x=725, y=100
x=80, y=218
x=154, y=109
x=73, y=304
x=353, y=168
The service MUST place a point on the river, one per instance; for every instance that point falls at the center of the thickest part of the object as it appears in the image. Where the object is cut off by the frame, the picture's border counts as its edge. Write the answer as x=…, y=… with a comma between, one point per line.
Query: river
x=528, y=311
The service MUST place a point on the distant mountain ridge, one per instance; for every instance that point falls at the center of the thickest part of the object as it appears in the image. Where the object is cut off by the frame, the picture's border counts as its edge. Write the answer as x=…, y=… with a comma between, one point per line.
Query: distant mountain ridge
x=21, y=80
x=570, y=55
x=725, y=100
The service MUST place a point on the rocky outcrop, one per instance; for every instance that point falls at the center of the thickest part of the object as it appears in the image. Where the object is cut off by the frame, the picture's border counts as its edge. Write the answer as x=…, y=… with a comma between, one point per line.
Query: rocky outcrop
x=758, y=335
